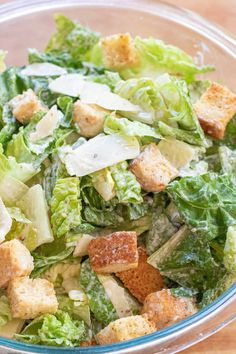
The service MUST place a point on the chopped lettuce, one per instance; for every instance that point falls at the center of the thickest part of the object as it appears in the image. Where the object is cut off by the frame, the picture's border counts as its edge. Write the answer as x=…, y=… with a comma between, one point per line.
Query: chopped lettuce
x=157, y=57
x=2, y=60
x=71, y=38
x=186, y=259
x=228, y=161
x=5, y=221
x=99, y=302
x=5, y=312
x=124, y=126
x=128, y=189
x=34, y=206
x=207, y=203
x=44, y=262
x=65, y=205
x=104, y=184
x=54, y=330
x=230, y=249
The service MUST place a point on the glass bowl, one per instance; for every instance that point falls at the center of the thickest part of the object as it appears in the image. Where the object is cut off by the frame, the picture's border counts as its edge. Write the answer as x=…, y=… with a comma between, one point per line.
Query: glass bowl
x=27, y=23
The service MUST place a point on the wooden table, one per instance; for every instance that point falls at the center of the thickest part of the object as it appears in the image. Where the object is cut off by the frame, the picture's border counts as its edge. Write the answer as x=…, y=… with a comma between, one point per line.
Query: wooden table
x=222, y=12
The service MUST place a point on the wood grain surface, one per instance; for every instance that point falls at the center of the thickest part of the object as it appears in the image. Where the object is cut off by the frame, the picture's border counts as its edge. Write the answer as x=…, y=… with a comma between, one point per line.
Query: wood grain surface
x=222, y=12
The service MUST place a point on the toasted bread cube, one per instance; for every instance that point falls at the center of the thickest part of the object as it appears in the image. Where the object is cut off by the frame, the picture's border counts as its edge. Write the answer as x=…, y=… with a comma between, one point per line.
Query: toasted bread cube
x=30, y=298
x=152, y=169
x=143, y=280
x=119, y=51
x=114, y=253
x=215, y=109
x=164, y=309
x=89, y=117
x=25, y=106
x=15, y=261
x=124, y=329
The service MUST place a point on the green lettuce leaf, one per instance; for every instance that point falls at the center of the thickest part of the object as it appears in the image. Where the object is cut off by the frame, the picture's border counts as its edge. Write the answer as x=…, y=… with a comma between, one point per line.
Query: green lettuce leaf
x=104, y=184
x=71, y=37
x=78, y=310
x=186, y=259
x=99, y=302
x=65, y=205
x=5, y=312
x=2, y=60
x=157, y=57
x=207, y=203
x=230, y=249
x=222, y=285
x=22, y=229
x=124, y=126
x=54, y=330
x=9, y=124
x=44, y=262
x=128, y=190
x=228, y=161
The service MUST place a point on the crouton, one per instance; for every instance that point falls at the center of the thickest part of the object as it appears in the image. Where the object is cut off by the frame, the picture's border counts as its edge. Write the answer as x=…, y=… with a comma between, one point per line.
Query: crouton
x=89, y=118
x=114, y=253
x=30, y=298
x=164, y=309
x=124, y=329
x=119, y=51
x=152, y=169
x=143, y=280
x=15, y=261
x=25, y=106
x=215, y=109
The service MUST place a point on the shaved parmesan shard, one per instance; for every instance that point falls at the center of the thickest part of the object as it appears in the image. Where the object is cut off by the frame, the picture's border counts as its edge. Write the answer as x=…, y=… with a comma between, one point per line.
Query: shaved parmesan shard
x=100, y=95
x=100, y=152
x=47, y=124
x=5, y=221
x=43, y=69
x=91, y=93
x=70, y=84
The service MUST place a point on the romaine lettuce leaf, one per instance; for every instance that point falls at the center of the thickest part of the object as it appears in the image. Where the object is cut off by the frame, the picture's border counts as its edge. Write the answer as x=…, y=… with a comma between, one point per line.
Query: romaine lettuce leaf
x=102, y=217
x=5, y=312
x=2, y=60
x=65, y=205
x=104, y=184
x=157, y=57
x=124, y=126
x=230, y=249
x=44, y=262
x=99, y=302
x=78, y=310
x=11, y=190
x=186, y=259
x=207, y=203
x=9, y=125
x=71, y=38
x=228, y=280
x=22, y=229
x=228, y=161
x=128, y=189
x=5, y=221
x=54, y=330
x=33, y=204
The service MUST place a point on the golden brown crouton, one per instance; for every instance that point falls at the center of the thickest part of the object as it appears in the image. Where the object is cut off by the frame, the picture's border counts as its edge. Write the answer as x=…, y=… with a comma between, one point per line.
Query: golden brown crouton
x=165, y=309
x=215, y=109
x=119, y=51
x=143, y=280
x=89, y=117
x=30, y=298
x=15, y=261
x=114, y=253
x=25, y=106
x=124, y=329
x=152, y=169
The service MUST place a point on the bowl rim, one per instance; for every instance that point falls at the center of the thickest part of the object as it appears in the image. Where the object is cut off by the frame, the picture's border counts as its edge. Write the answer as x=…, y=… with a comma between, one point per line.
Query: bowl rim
x=227, y=42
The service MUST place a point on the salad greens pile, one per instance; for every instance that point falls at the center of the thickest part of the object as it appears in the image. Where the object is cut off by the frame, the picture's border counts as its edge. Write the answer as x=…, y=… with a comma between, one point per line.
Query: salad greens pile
x=63, y=183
